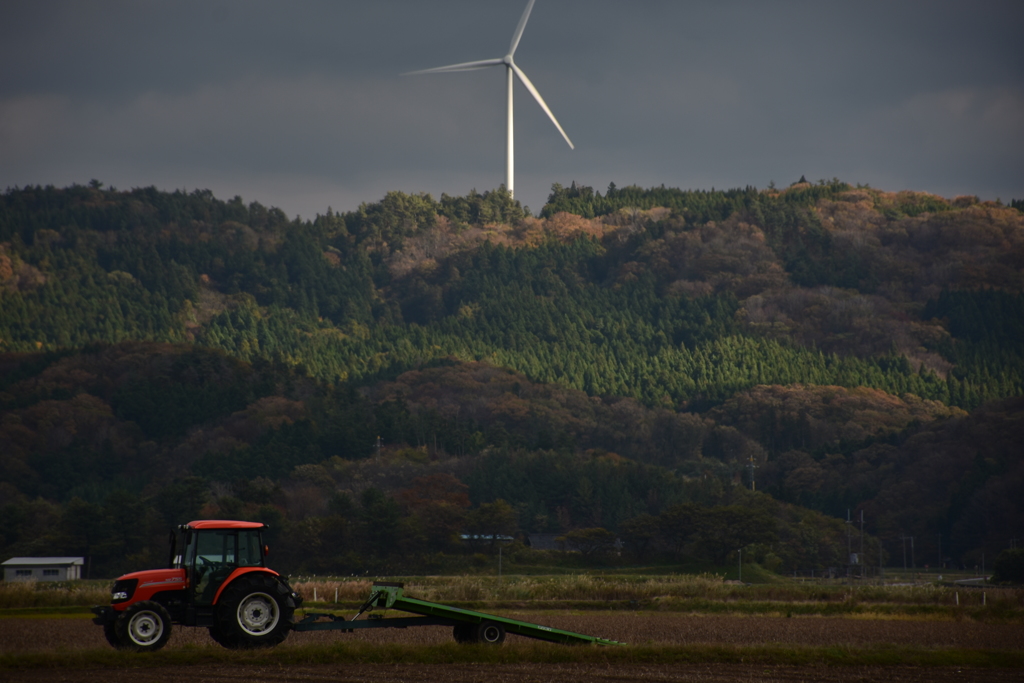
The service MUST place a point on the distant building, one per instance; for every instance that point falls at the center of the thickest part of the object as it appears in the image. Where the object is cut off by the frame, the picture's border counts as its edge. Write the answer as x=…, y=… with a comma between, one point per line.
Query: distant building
x=42, y=568
x=479, y=539
x=545, y=541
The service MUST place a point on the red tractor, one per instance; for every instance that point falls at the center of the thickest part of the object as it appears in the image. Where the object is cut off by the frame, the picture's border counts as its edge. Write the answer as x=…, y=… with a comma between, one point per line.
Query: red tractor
x=217, y=579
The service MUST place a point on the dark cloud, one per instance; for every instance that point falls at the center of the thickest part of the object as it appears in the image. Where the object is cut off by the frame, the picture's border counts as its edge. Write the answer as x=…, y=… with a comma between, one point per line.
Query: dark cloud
x=301, y=105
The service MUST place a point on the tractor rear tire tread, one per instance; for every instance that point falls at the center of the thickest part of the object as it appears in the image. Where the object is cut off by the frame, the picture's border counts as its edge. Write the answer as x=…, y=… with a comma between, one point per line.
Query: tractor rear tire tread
x=222, y=639
x=255, y=611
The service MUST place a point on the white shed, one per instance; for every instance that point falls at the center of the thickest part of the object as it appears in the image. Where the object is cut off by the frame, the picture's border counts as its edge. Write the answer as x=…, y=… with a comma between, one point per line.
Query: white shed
x=42, y=568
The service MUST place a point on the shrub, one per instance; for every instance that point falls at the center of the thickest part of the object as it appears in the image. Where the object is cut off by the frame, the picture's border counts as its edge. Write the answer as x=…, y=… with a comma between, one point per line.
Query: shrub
x=1009, y=567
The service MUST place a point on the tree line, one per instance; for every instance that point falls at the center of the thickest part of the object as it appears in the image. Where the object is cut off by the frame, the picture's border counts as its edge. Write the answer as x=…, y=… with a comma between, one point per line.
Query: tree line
x=623, y=344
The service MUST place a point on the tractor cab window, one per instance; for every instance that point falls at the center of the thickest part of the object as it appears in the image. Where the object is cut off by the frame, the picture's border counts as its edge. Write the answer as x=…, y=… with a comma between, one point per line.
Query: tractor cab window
x=214, y=560
x=217, y=553
x=250, y=553
x=215, y=548
x=190, y=548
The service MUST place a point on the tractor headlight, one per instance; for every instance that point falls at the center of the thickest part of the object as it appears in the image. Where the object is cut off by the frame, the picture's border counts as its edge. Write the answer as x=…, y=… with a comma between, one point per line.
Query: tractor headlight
x=123, y=590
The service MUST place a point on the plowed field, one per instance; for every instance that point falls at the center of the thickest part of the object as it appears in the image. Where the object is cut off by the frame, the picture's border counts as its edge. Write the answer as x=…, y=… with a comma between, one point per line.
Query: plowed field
x=63, y=636
x=525, y=673
x=635, y=628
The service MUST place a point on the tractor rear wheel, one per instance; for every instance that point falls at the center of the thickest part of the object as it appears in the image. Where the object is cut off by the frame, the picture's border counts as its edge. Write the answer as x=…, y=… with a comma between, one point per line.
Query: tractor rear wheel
x=256, y=610
x=222, y=638
x=144, y=627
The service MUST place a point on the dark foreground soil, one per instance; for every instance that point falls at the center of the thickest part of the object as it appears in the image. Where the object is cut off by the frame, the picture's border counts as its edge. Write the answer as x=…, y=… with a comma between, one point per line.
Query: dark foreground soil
x=62, y=636
x=523, y=673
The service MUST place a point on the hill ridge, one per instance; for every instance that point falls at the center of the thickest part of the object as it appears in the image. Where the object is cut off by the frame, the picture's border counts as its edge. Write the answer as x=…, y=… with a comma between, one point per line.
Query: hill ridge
x=815, y=330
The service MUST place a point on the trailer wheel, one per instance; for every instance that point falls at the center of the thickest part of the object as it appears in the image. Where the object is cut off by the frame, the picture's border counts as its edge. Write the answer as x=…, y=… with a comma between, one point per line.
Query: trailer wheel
x=144, y=627
x=490, y=633
x=464, y=633
x=256, y=610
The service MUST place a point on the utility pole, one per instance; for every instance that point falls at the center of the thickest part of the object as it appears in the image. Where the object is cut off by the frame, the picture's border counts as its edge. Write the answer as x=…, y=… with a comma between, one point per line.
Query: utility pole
x=379, y=443
x=849, y=548
x=904, y=539
x=740, y=572
x=861, y=544
x=752, y=466
x=913, y=561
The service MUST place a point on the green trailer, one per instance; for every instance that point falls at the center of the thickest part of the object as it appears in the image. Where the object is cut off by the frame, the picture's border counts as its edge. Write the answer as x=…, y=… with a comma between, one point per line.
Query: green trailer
x=468, y=626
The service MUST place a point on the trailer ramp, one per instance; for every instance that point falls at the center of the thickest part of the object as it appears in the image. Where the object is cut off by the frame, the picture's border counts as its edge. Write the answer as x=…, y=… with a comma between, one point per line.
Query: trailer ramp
x=469, y=625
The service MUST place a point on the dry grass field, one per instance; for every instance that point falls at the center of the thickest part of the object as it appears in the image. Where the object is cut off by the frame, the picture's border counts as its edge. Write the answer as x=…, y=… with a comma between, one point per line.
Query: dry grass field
x=678, y=628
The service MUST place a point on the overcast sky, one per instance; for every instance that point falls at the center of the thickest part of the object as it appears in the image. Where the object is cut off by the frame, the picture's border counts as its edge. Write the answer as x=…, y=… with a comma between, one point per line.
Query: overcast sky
x=301, y=105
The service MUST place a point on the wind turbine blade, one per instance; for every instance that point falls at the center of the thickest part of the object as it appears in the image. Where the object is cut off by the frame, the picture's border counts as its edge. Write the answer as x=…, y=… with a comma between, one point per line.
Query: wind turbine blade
x=519, y=29
x=464, y=66
x=541, y=102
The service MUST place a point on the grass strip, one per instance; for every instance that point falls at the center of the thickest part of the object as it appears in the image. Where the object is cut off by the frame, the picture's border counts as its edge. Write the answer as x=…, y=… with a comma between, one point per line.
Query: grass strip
x=990, y=614
x=541, y=653
x=66, y=612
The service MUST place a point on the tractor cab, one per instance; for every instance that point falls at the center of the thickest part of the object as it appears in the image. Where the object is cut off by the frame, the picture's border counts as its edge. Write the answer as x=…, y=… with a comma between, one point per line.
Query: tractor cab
x=212, y=551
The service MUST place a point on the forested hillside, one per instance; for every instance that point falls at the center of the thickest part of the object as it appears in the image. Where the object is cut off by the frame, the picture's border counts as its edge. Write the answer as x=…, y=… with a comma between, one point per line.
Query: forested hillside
x=627, y=361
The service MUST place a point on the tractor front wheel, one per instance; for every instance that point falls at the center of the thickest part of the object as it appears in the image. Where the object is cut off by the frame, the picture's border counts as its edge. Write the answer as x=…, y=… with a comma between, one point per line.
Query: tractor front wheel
x=256, y=610
x=144, y=627
x=110, y=633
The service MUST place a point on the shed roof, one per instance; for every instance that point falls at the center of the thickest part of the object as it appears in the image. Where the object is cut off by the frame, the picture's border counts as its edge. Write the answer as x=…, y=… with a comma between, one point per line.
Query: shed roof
x=42, y=561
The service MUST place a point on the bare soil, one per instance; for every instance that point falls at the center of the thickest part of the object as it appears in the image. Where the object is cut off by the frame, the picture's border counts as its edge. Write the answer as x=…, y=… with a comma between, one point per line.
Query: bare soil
x=635, y=628
x=58, y=635
x=524, y=673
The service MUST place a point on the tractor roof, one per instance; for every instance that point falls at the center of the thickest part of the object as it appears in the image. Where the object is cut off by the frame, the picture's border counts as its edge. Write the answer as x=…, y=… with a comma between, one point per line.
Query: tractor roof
x=224, y=524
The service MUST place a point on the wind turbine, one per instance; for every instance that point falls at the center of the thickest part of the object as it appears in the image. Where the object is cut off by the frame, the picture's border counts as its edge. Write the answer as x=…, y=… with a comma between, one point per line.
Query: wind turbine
x=511, y=70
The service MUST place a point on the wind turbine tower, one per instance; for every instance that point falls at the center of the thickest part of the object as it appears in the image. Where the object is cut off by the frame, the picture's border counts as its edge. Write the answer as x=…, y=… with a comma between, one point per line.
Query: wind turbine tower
x=511, y=72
